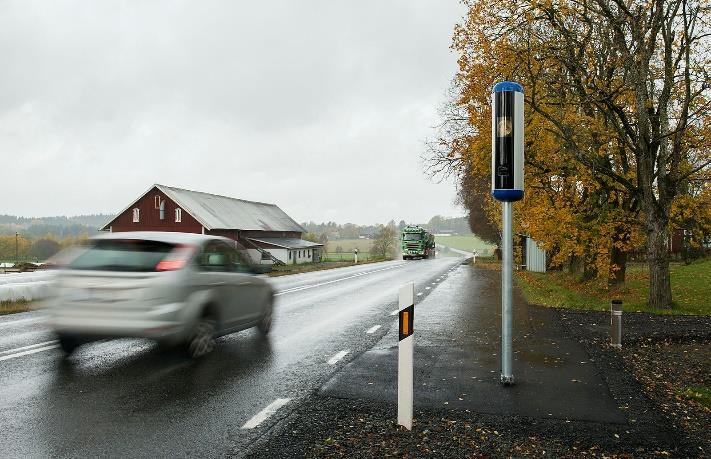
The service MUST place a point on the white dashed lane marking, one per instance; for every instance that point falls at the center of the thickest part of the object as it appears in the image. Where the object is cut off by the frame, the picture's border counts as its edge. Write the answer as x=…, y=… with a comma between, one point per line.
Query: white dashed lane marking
x=265, y=413
x=334, y=360
x=372, y=330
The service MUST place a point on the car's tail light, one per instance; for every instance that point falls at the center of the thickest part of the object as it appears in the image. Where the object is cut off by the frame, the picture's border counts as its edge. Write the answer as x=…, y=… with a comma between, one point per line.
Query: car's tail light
x=177, y=259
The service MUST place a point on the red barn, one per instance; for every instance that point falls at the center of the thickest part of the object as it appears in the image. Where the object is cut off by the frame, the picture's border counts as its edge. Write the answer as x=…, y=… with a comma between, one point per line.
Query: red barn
x=270, y=235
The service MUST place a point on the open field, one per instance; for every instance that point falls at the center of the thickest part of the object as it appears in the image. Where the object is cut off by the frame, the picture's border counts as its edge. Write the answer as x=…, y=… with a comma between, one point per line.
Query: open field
x=468, y=242
x=691, y=290
x=347, y=256
x=347, y=245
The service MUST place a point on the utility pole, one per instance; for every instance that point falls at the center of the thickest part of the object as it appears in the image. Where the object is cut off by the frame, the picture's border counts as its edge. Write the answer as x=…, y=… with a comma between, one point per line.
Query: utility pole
x=17, y=252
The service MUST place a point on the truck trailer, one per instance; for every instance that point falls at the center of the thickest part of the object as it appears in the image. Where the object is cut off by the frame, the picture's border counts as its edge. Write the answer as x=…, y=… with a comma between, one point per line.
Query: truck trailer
x=417, y=242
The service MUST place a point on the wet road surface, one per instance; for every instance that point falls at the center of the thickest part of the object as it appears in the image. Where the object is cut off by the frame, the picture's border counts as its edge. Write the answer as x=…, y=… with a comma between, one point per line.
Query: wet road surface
x=126, y=398
x=457, y=359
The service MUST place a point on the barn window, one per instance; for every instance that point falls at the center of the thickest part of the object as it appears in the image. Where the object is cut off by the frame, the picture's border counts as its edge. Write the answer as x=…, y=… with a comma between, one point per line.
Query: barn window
x=156, y=202
x=289, y=254
x=162, y=210
x=136, y=215
x=178, y=215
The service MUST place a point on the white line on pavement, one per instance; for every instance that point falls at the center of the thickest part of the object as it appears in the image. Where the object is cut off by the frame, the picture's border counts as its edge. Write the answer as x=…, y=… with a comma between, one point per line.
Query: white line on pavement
x=333, y=360
x=19, y=321
x=305, y=287
x=372, y=330
x=427, y=288
x=28, y=352
x=19, y=349
x=394, y=313
x=265, y=413
x=419, y=294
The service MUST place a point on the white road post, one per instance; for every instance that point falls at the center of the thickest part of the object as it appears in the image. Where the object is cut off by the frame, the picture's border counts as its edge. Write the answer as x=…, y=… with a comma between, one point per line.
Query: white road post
x=406, y=319
x=355, y=255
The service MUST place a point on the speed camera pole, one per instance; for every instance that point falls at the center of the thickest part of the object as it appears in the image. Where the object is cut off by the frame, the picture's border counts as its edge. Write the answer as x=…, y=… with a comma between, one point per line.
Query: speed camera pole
x=507, y=187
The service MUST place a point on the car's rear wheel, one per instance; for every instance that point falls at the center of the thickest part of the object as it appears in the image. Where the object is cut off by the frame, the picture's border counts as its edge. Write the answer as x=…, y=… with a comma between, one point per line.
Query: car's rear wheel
x=68, y=344
x=265, y=323
x=202, y=338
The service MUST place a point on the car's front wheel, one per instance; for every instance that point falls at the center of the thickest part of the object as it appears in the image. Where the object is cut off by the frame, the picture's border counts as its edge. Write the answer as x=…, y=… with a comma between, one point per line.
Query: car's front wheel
x=202, y=338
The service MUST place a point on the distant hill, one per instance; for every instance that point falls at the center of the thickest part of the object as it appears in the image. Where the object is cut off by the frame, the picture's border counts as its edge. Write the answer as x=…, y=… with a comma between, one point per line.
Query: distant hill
x=60, y=226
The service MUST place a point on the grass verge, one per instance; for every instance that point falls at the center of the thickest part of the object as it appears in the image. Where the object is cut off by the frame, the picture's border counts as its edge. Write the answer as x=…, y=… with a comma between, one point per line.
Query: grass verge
x=690, y=290
x=285, y=270
x=13, y=306
x=702, y=395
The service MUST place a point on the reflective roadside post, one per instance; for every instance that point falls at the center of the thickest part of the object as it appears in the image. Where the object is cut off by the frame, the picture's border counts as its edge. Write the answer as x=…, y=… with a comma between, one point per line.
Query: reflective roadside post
x=507, y=187
x=406, y=322
x=355, y=255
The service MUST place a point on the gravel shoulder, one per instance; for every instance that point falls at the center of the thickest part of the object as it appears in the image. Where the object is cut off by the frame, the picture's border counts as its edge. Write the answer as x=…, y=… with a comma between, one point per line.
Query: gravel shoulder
x=662, y=357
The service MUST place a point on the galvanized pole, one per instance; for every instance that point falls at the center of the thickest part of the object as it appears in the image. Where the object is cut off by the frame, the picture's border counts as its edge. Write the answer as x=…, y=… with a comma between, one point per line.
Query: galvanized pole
x=506, y=295
x=616, y=324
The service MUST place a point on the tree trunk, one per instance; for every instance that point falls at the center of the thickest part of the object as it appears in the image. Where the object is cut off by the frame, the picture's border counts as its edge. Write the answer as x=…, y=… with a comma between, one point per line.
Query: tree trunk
x=618, y=267
x=618, y=261
x=660, y=296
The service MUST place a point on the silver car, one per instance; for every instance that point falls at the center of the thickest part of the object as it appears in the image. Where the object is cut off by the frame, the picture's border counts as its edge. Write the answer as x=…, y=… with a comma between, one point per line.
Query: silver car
x=175, y=288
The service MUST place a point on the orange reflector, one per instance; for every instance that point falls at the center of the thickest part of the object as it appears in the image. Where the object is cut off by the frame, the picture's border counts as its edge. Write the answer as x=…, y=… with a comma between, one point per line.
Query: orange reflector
x=405, y=323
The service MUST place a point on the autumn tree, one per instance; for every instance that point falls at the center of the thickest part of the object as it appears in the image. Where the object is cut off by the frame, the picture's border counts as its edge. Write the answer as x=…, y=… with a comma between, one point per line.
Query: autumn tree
x=617, y=96
x=44, y=247
x=384, y=242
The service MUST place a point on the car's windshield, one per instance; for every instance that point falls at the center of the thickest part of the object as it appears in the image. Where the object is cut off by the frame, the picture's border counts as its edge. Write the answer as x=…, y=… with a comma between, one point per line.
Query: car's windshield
x=412, y=237
x=122, y=255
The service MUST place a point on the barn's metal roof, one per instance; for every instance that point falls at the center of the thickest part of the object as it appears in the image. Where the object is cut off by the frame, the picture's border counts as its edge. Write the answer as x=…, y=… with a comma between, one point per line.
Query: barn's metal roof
x=222, y=212
x=287, y=243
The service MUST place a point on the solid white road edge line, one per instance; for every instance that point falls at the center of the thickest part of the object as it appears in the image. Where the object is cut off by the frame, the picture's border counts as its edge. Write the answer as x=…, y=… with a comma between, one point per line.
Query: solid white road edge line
x=394, y=313
x=305, y=287
x=10, y=323
x=265, y=413
x=19, y=349
x=333, y=360
x=28, y=352
x=372, y=330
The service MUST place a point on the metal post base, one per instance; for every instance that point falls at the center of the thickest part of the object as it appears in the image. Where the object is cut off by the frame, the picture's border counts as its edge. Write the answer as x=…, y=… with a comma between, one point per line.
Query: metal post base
x=507, y=380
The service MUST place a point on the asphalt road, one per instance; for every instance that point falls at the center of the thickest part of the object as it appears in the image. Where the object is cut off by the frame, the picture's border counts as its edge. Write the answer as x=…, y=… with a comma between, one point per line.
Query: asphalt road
x=125, y=398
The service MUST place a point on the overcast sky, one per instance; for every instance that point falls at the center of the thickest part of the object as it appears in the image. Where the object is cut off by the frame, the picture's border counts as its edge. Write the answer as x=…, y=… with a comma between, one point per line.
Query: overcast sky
x=321, y=107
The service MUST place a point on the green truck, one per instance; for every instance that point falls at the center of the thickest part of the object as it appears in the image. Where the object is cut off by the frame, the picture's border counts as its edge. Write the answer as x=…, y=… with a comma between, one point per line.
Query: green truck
x=417, y=242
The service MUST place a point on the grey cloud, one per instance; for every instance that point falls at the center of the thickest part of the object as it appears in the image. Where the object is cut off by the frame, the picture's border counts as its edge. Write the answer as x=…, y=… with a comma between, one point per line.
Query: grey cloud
x=321, y=107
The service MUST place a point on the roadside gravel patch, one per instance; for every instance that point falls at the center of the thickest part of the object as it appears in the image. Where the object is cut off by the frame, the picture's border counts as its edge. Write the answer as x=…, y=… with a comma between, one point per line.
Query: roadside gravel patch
x=661, y=355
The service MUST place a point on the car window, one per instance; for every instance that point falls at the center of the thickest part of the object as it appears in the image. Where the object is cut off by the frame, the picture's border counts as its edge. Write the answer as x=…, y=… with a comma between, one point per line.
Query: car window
x=241, y=261
x=215, y=256
x=219, y=256
x=131, y=255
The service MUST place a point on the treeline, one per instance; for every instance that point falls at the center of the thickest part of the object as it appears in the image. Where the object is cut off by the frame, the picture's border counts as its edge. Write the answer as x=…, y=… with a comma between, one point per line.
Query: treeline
x=21, y=248
x=59, y=227
x=335, y=231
